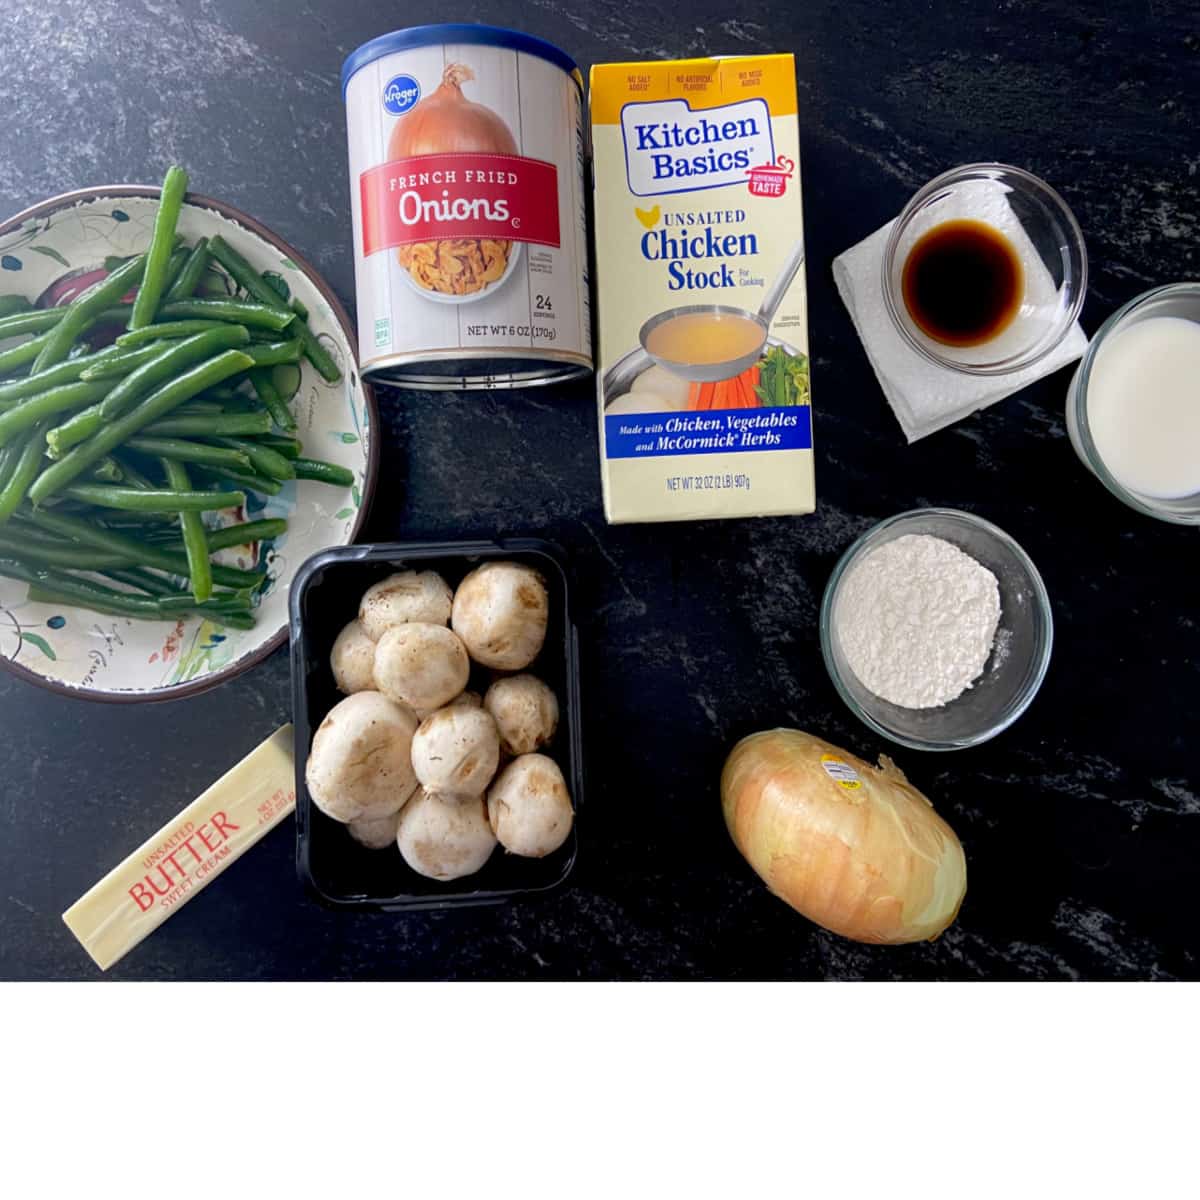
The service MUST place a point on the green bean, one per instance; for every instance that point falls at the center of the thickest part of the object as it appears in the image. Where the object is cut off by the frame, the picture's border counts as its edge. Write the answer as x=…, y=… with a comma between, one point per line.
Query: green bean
x=22, y=474
x=244, y=275
x=18, y=356
x=8, y=460
x=10, y=304
x=241, y=600
x=286, y=378
x=86, y=308
x=143, y=524
x=289, y=447
x=41, y=594
x=245, y=533
x=140, y=577
x=56, y=556
x=298, y=307
x=170, y=203
x=316, y=354
x=272, y=354
x=168, y=364
x=59, y=399
x=107, y=470
x=75, y=429
x=310, y=468
x=67, y=371
x=55, y=587
x=22, y=520
x=192, y=527
x=37, y=321
x=174, y=266
x=277, y=284
x=272, y=400
x=200, y=408
x=166, y=329
x=61, y=587
x=221, y=425
x=236, y=312
x=159, y=500
x=156, y=405
x=119, y=361
x=116, y=604
x=137, y=551
x=260, y=458
x=189, y=278
x=182, y=450
x=247, y=277
x=248, y=480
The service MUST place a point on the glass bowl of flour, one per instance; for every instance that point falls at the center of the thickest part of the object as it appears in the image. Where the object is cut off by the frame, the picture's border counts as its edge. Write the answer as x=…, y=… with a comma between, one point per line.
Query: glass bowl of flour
x=936, y=629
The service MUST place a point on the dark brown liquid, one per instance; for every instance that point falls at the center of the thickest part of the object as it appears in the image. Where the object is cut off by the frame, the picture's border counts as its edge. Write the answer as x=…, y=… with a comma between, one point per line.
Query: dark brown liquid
x=962, y=283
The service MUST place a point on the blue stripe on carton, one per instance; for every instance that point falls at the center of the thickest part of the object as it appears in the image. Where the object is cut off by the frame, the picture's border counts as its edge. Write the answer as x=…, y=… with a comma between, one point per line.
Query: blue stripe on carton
x=725, y=431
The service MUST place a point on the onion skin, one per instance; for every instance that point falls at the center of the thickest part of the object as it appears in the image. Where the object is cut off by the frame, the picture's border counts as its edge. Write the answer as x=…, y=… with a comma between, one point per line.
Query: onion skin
x=873, y=863
x=446, y=122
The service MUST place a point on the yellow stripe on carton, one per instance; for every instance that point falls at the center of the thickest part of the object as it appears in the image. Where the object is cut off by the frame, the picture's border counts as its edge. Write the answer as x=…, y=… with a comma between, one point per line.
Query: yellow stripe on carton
x=702, y=82
x=188, y=853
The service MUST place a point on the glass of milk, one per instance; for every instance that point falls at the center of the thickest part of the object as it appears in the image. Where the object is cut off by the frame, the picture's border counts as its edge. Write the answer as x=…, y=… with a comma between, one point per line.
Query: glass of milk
x=1133, y=409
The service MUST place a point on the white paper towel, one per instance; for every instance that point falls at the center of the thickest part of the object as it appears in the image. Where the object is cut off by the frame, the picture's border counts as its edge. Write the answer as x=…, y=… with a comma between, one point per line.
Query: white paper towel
x=924, y=396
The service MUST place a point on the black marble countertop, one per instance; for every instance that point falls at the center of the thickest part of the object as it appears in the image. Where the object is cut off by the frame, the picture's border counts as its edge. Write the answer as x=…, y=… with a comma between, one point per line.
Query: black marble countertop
x=1081, y=824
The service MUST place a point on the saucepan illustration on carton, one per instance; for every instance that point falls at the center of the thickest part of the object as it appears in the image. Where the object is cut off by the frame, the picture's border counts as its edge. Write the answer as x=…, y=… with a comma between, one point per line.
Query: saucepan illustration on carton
x=704, y=388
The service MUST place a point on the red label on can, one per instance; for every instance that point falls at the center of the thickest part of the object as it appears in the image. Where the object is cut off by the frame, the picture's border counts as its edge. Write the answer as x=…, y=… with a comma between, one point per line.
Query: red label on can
x=439, y=196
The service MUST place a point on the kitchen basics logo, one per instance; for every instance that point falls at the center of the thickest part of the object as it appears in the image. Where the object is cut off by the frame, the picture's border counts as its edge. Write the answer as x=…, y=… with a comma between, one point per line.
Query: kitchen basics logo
x=669, y=147
x=401, y=93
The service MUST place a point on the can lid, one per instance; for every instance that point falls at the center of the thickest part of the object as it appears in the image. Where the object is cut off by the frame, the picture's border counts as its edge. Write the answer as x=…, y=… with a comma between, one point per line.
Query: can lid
x=461, y=33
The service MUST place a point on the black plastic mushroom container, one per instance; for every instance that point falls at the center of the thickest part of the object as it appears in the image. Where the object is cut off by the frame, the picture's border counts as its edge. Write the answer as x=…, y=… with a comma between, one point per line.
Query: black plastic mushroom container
x=324, y=597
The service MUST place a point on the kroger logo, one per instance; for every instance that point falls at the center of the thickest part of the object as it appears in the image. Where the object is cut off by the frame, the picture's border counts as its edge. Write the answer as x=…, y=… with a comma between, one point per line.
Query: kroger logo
x=401, y=93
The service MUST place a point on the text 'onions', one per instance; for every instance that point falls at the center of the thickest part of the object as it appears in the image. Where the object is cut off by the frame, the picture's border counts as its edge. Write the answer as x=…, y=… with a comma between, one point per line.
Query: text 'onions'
x=853, y=847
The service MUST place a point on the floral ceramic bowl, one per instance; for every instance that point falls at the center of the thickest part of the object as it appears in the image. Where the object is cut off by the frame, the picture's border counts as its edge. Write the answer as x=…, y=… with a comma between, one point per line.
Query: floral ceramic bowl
x=49, y=254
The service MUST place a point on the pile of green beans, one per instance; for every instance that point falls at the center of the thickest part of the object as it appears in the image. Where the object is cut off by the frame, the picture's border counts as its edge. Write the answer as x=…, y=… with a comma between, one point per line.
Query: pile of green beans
x=110, y=455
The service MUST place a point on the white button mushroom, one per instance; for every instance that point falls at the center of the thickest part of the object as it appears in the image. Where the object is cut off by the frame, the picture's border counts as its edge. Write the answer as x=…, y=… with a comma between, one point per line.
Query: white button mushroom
x=526, y=713
x=421, y=665
x=456, y=750
x=360, y=764
x=353, y=660
x=376, y=833
x=500, y=611
x=529, y=806
x=445, y=837
x=404, y=597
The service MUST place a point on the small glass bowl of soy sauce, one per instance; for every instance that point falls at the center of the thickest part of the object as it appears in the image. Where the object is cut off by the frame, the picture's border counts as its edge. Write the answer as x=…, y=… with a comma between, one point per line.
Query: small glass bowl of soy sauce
x=985, y=270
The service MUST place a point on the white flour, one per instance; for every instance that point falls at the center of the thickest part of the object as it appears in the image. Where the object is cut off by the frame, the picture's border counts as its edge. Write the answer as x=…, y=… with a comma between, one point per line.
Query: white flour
x=916, y=618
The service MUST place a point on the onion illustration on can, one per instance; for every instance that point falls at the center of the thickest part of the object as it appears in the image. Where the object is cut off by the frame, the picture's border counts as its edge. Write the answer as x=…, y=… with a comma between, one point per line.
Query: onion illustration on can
x=448, y=122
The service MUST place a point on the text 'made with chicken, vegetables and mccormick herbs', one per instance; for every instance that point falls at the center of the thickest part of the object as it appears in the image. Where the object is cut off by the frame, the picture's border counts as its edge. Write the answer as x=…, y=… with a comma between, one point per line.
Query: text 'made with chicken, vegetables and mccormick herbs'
x=704, y=389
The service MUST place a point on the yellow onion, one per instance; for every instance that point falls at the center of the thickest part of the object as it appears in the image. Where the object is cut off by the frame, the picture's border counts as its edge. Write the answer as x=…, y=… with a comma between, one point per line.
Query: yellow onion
x=853, y=847
x=446, y=122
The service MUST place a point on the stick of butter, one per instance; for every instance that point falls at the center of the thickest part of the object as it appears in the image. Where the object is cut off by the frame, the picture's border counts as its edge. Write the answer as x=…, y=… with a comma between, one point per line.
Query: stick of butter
x=187, y=853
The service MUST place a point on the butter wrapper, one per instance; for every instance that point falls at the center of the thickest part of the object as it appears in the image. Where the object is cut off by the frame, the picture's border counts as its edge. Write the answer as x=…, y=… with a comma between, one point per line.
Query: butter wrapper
x=187, y=853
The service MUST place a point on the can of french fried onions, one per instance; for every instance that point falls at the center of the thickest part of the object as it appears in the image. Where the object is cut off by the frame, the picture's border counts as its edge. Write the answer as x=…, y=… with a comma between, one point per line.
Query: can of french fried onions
x=466, y=151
